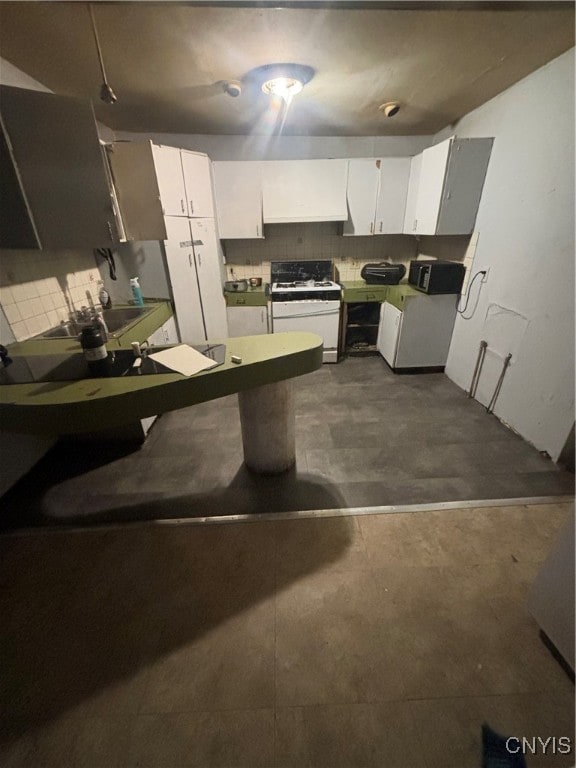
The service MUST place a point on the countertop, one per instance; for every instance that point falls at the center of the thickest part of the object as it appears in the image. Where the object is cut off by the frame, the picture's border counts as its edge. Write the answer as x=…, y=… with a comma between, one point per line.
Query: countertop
x=91, y=404
x=138, y=330
x=359, y=291
x=253, y=297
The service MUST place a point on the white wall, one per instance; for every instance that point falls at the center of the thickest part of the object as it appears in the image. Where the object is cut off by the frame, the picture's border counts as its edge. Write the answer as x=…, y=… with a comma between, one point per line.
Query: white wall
x=526, y=226
x=287, y=147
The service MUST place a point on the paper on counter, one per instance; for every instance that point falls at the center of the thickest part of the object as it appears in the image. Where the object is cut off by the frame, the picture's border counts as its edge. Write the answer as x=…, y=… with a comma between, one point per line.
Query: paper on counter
x=183, y=359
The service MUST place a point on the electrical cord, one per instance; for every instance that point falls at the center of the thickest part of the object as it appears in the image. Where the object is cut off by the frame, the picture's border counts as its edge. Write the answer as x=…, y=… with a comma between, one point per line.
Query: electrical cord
x=461, y=311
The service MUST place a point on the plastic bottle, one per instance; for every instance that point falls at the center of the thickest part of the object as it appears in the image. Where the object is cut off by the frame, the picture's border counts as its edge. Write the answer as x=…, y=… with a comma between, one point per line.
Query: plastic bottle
x=136, y=292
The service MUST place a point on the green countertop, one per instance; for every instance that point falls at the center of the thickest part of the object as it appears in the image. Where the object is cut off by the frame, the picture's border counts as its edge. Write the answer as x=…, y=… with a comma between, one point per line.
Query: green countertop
x=253, y=297
x=91, y=404
x=356, y=291
x=138, y=330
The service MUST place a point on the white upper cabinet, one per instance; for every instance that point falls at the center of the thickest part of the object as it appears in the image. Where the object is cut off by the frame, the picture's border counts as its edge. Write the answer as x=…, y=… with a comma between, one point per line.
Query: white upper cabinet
x=304, y=190
x=362, y=196
x=170, y=180
x=392, y=192
x=450, y=185
x=150, y=184
x=377, y=196
x=412, y=195
x=197, y=184
x=238, y=193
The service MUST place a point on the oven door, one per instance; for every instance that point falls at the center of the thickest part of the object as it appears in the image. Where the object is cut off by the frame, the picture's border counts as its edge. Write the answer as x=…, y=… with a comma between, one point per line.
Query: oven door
x=321, y=317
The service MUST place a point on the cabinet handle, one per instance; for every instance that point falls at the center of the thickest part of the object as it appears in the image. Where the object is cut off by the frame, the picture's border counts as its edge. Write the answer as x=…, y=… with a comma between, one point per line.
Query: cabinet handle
x=415, y=225
x=257, y=230
x=199, y=259
x=380, y=230
x=191, y=206
x=371, y=227
x=182, y=204
x=110, y=230
x=190, y=259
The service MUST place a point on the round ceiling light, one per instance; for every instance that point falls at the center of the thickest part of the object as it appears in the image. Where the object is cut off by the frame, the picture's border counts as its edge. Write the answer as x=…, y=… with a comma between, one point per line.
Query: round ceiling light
x=281, y=80
x=286, y=87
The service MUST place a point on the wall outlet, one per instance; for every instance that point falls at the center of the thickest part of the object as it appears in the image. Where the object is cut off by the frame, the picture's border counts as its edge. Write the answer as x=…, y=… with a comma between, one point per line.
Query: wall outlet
x=486, y=270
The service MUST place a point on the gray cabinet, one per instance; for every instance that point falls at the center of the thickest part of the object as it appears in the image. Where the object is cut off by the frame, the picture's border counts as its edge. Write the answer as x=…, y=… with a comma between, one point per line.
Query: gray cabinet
x=445, y=187
x=419, y=335
x=54, y=187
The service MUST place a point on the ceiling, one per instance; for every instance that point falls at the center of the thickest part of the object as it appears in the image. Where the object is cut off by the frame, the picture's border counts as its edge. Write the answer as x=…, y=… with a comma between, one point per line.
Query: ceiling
x=167, y=61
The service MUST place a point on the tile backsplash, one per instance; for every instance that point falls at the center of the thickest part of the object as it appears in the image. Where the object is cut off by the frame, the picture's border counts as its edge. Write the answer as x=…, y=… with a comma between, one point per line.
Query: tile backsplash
x=294, y=242
x=38, y=289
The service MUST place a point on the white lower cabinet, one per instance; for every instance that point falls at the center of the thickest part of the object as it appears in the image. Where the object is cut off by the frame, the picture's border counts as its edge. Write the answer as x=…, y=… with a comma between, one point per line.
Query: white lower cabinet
x=389, y=332
x=166, y=334
x=247, y=321
x=418, y=336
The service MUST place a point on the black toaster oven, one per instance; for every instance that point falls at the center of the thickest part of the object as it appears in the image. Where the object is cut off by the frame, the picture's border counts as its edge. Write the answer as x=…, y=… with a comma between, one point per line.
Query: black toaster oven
x=437, y=276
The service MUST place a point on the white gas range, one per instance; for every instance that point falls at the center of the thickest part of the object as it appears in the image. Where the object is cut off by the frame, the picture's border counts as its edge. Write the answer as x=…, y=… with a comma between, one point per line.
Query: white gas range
x=305, y=298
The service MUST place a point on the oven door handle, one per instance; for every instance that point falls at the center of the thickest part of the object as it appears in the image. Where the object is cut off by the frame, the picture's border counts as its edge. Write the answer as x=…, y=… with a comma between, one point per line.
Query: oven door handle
x=326, y=313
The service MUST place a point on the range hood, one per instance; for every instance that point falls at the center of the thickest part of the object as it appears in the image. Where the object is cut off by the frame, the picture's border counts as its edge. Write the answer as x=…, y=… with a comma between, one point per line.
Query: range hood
x=295, y=191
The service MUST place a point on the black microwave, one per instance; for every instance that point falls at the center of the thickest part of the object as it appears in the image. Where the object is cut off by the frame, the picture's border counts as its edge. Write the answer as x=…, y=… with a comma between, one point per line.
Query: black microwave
x=437, y=276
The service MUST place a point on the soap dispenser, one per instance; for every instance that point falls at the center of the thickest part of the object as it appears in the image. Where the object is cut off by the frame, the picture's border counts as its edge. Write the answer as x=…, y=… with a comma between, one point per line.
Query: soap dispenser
x=136, y=292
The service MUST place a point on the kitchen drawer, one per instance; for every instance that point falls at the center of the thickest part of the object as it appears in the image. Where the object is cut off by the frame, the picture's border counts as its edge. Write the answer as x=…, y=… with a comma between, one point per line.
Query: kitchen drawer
x=255, y=297
x=360, y=292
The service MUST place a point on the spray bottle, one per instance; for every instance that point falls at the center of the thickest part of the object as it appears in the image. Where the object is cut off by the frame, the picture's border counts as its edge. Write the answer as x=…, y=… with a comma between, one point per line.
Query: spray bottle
x=136, y=292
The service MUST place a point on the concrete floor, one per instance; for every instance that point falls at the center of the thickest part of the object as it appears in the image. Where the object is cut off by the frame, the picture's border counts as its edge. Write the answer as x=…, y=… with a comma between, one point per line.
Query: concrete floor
x=380, y=640
x=365, y=437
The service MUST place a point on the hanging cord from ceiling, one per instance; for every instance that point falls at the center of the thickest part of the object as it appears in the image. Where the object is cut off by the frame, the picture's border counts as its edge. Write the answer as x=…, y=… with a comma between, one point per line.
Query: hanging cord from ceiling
x=106, y=93
x=470, y=284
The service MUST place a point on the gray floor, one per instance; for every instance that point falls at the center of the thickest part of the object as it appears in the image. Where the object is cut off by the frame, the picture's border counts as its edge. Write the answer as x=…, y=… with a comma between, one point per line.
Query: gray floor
x=382, y=641
x=365, y=437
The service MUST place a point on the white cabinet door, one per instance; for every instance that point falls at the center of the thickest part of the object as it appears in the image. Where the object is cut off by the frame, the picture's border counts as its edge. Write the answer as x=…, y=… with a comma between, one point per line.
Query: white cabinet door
x=166, y=334
x=208, y=261
x=430, y=186
x=247, y=321
x=465, y=174
x=184, y=281
x=361, y=195
x=304, y=190
x=238, y=192
x=198, y=184
x=426, y=331
x=170, y=180
x=412, y=195
x=389, y=332
x=391, y=202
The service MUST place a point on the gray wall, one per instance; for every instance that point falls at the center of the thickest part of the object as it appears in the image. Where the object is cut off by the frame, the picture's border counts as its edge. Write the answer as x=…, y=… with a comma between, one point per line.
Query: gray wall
x=526, y=239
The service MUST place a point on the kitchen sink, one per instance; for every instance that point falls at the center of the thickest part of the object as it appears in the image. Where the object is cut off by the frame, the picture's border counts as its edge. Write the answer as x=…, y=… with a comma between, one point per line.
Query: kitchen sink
x=115, y=319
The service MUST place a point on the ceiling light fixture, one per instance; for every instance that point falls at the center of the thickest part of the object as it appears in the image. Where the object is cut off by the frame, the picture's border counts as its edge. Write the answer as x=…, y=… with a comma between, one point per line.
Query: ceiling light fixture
x=285, y=87
x=106, y=93
x=283, y=80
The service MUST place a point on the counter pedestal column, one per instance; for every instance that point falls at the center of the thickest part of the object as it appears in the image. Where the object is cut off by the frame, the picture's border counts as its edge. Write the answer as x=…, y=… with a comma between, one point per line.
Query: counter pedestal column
x=268, y=423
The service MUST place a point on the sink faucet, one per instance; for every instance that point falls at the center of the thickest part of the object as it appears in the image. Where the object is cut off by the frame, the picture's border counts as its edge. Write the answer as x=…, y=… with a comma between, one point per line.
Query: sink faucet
x=104, y=298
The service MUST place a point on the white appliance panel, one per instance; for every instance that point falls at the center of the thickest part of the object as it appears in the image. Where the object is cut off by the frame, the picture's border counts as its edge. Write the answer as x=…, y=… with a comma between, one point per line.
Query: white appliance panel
x=321, y=317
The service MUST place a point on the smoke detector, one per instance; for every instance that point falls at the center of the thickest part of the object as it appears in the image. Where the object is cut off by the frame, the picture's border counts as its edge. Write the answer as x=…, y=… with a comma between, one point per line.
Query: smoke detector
x=233, y=88
x=390, y=108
